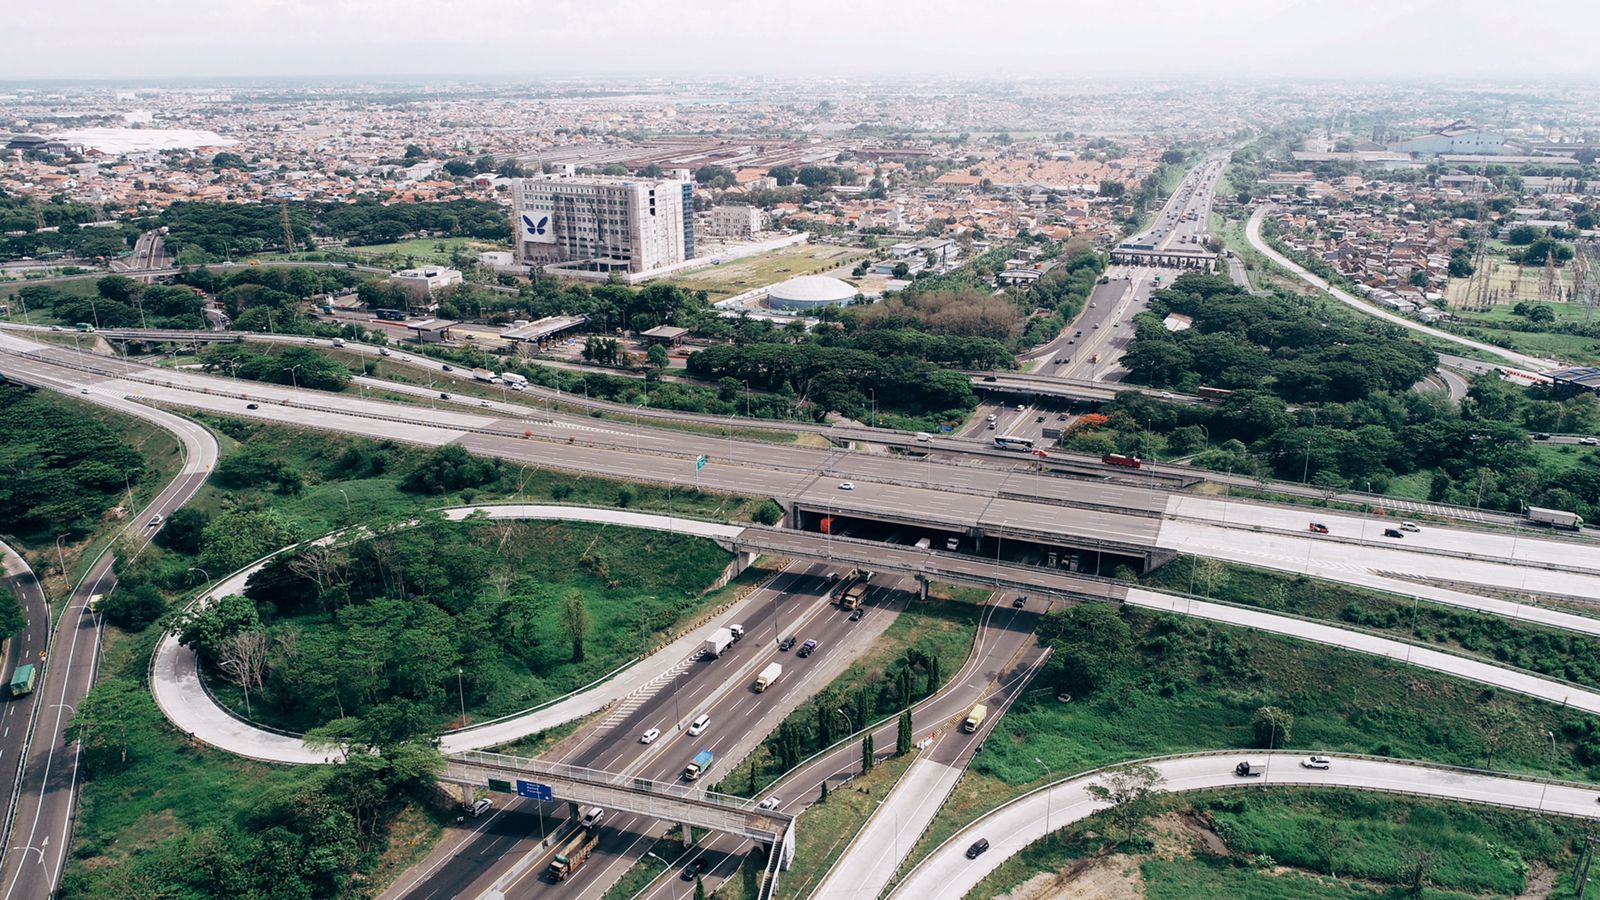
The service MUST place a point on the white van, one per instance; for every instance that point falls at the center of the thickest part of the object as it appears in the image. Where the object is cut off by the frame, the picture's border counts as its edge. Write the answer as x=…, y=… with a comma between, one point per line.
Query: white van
x=593, y=816
x=698, y=726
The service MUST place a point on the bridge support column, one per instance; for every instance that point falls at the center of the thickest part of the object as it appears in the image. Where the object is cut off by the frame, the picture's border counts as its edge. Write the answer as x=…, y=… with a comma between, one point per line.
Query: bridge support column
x=688, y=834
x=463, y=792
x=922, y=587
x=744, y=560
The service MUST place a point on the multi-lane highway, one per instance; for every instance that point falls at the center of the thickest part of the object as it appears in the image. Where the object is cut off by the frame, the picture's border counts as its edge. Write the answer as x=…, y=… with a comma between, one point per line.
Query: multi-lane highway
x=795, y=604
x=42, y=811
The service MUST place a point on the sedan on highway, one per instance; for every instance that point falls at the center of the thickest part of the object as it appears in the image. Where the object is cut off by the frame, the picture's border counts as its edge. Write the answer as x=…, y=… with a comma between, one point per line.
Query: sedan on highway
x=787, y=643
x=1316, y=762
x=695, y=869
x=770, y=803
x=846, y=486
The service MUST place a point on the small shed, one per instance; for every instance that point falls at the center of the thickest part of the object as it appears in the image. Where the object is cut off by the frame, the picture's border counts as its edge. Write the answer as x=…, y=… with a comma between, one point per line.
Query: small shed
x=666, y=335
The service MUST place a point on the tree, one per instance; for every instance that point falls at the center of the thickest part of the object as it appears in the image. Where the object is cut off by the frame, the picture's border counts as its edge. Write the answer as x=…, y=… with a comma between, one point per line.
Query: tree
x=242, y=659
x=1418, y=866
x=715, y=176
x=208, y=629
x=575, y=620
x=902, y=270
x=1273, y=726
x=414, y=152
x=866, y=753
x=699, y=888
x=784, y=175
x=1133, y=793
x=1090, y=641
x=131, y=607
x=902, y=744
x=106, y=715
x=657, y=356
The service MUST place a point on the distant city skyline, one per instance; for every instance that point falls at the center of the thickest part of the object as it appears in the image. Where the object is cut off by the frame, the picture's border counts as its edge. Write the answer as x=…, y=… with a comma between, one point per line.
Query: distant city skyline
x=1219, y=40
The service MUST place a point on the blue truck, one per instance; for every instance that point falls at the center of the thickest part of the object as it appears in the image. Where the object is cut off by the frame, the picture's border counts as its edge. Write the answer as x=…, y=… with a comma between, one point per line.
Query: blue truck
x=698, y=765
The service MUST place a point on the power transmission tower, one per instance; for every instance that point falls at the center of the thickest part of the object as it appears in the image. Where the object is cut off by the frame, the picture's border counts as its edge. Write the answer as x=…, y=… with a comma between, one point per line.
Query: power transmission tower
x=1549, y=283
x=38, y=214
x=288, y=229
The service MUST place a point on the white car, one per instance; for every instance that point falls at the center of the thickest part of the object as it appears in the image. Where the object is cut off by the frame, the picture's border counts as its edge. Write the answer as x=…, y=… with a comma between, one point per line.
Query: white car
x=1166, y=395
x=846, y=486
x=485, y=404
x=1316, y=762
x=698, y=726
x=991, y=418
x=1409, y=526
x=1589, y=441
x=649, y=737
x=479, y=807
x=770, y=803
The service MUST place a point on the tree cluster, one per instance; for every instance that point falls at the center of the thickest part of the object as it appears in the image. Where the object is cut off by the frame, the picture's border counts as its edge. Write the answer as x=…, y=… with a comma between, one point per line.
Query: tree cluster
x=301, y=366
x=63, y=468
x=224, y=230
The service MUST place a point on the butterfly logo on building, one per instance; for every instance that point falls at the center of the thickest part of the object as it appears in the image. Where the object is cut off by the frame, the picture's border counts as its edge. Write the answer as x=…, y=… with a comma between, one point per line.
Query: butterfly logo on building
x=536, y=229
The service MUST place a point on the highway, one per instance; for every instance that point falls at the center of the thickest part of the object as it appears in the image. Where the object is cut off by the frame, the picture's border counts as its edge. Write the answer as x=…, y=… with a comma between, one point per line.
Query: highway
x=26, y=646
x=43, y=810
x=793, y=604
x=1252, y=231
x=946, y=874
x=969, y=495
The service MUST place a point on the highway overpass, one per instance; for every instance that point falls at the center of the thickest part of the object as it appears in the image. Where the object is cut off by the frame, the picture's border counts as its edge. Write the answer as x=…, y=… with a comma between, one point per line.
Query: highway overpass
x=672, y=802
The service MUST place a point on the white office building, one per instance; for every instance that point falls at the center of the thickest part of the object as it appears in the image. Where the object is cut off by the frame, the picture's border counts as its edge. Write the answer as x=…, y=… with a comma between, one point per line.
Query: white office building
x=603, y=224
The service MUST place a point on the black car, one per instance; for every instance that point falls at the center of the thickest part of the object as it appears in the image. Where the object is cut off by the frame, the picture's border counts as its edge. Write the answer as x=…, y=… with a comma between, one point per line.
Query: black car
x=252, y=406
x=695, y=869
x=856, y=616
x=787, y=643
x=1020, y=602
x=806, y=649
x=447, y=368
x=1541, y=435
x=977, y=848
x=443, y=396
x=1393, y=532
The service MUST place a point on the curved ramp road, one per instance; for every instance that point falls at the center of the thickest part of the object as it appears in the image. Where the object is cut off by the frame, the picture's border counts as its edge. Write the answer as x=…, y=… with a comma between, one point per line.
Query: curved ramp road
x=26, y=646
x=946, y=874
x=186, y=703
x=42, y=813
x=1252, y=233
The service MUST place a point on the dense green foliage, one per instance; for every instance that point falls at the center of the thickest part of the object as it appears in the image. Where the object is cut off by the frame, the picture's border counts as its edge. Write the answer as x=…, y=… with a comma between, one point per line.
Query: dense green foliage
x=63, y=468
x=120, y=302
x=1242, y=341
x=299, y=366
x=20, y=235
x=203, y=230
x=839, y=379
x=387, y=622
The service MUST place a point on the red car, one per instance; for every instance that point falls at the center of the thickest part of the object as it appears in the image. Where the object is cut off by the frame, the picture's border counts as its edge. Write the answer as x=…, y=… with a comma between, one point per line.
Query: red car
x=1319, y=528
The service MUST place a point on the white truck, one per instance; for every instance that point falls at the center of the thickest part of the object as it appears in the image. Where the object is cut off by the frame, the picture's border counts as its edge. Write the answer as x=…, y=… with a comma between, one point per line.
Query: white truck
x=1251, y=768
x=716, y=643
x=485, y=375
x=1558, y=518
x=517, y=381
x=768, y=676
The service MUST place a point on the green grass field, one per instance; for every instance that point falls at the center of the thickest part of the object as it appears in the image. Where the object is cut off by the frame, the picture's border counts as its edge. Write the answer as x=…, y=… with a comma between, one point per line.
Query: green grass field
x=741, y=275
x=824, y=830
x=425, y=250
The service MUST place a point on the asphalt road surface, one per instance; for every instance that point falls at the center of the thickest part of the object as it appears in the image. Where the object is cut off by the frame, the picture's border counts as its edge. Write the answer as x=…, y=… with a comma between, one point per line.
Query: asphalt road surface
x=45, y=802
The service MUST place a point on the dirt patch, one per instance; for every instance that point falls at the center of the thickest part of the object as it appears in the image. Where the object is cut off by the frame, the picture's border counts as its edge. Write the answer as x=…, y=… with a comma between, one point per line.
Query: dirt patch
x=1114, y=877
x=1204, y=831
x=1180, y=834
x=1541, y=883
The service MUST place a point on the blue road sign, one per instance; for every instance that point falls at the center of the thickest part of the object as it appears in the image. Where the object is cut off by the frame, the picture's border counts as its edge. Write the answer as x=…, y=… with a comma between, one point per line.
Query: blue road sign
x=534, y=790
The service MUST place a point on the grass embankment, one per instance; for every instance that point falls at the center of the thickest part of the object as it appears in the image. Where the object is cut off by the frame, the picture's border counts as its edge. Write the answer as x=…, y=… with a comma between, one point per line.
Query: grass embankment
x=740, y=275
x=1194, y=686
x=1548, y=651
x=825, y=830
x=1310, y=844
x=422, y=250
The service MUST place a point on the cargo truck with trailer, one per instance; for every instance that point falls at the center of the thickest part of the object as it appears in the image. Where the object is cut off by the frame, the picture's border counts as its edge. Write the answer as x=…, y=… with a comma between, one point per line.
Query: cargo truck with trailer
x=1556, y=518
x=572, y=855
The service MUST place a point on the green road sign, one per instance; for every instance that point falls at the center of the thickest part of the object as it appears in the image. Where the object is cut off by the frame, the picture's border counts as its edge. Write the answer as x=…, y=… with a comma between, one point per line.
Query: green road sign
x=699, y=463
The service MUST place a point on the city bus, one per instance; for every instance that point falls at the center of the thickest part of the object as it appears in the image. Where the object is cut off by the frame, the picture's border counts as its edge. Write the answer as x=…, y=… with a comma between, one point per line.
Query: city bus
x=1014, y=443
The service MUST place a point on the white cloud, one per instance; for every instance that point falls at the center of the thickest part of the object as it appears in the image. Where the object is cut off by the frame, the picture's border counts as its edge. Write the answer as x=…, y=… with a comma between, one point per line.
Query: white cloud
x=1490, y=39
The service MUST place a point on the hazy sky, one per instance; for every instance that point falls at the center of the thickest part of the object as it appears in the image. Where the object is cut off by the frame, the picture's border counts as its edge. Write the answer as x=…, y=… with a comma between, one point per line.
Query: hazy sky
x=1481, y=39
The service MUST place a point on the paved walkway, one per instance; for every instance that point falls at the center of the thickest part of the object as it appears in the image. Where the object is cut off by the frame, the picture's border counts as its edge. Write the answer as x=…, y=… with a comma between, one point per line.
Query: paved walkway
x=1252, y=233
x=947, y=874
x=178, y=692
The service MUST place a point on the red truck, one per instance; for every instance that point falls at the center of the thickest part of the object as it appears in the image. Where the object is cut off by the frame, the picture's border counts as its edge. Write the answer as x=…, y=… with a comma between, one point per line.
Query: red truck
x=1117, y=459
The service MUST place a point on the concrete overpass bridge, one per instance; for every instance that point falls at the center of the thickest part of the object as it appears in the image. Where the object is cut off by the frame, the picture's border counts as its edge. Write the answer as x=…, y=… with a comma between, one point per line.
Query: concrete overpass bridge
x=1148, y=255
x=1074, y=389
x=691, y=806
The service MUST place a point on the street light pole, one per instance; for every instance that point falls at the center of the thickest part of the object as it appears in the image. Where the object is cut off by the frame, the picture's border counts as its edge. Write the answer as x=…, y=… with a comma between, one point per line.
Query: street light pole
x=461, y=694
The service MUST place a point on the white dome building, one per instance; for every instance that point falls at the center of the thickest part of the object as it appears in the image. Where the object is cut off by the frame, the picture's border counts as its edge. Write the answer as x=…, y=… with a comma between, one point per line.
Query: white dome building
x=810, y=292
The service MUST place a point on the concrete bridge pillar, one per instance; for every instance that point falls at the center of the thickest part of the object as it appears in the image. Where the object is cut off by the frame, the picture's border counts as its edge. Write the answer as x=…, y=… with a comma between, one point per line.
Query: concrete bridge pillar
x=743, y=560
x=688, y=834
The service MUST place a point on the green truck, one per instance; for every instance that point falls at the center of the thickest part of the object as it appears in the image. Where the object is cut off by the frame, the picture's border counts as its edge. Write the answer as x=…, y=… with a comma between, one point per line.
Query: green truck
x=22, y=680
